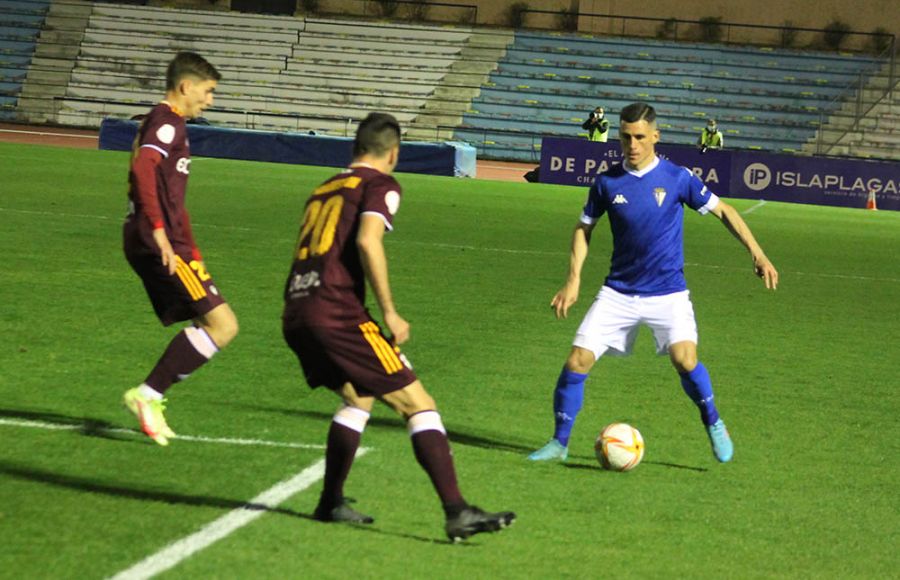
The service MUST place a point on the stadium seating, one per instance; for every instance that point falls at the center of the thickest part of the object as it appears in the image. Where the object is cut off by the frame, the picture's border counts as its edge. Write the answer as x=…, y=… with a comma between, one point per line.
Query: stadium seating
x=497, y=90
x=762, y=99
x=279, y=73
x=20, y=23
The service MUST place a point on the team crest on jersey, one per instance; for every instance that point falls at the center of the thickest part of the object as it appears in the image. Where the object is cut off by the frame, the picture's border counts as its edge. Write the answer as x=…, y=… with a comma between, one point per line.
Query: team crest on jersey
x=392, y=201
x=166, y=133
x=660, y=194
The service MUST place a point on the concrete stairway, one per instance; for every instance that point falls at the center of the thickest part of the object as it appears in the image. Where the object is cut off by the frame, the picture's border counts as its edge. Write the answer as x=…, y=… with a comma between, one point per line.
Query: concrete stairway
x=454, y=94
x=876, y=134
x=54, y=58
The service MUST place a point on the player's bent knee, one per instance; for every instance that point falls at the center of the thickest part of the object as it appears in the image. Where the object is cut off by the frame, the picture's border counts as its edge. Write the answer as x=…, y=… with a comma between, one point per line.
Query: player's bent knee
x=410, y=400
x=683, y=356
x=347, y=392
x=580, y=360
x=221, y=324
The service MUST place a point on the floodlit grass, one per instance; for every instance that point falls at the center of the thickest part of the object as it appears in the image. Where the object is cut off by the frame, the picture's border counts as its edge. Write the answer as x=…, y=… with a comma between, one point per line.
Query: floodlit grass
x=806, y=378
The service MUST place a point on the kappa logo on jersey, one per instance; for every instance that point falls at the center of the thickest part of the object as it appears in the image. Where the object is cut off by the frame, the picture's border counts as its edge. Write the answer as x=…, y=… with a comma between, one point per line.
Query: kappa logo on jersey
x=619, y=199
x=183, y=165
x=660, y=194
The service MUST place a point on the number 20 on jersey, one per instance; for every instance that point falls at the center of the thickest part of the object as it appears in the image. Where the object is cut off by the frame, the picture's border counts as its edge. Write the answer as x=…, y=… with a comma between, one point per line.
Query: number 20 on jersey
x=319, y=224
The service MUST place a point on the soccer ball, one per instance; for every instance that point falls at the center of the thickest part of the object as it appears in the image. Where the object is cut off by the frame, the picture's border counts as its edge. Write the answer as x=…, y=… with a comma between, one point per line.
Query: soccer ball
x=619, y=447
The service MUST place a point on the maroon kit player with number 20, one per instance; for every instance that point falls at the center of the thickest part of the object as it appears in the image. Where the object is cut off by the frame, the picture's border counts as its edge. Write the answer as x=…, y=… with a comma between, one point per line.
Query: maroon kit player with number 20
x=340, y=346
x=159, y=243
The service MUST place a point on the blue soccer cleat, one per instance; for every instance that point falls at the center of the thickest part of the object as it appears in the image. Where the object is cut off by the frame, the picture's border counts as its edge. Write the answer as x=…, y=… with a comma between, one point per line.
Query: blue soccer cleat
x=722, y=446
x=552, y=450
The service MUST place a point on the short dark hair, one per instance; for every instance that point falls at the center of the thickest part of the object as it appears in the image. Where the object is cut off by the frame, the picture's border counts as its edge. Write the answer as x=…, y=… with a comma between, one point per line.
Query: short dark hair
x=636, y=112
x=377, y=134
x=189, y=64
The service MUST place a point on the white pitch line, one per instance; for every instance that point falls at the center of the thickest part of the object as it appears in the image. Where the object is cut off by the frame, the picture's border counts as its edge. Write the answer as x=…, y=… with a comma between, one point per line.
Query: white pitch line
x=796, y=273
x=46, y=134
x=175, y=553
x=486, y=248
x=758, y=205
x=196, y=438
x=56, y=214
x=527, y=167
x=106, y=218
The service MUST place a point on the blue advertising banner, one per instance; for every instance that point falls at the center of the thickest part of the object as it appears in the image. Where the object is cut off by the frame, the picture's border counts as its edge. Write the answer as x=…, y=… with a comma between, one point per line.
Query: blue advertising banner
x=742, y=174
x=451, y=158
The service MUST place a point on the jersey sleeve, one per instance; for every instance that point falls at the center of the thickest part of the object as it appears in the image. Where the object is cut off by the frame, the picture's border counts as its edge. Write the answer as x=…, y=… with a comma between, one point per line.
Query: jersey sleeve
x=159, y=133
x=143, y=177
x=595, y=206
x=697, y=196
x=381, y=197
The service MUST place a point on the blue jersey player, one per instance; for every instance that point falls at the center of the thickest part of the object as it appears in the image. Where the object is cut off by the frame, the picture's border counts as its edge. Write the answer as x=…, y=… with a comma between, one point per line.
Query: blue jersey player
x=644, y=198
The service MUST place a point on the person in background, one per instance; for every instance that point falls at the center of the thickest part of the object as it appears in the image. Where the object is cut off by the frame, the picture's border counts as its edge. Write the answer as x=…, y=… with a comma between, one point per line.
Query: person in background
x=711, y=137
x=597, y=126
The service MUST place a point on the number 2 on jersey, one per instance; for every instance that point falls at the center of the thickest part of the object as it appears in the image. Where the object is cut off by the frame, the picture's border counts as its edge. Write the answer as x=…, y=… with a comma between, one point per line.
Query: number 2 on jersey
x=319, y=224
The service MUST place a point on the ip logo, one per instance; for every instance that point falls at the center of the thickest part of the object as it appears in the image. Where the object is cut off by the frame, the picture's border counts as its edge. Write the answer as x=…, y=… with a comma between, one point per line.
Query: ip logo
x=757, y=176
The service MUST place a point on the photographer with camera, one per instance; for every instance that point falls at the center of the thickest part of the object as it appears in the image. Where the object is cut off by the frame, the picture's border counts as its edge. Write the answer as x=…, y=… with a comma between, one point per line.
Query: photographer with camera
x=597, y=126
x=711, y=137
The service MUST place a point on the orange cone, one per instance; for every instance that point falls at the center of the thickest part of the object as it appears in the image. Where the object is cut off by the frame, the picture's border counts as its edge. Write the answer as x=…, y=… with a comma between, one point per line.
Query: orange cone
x=870, y=203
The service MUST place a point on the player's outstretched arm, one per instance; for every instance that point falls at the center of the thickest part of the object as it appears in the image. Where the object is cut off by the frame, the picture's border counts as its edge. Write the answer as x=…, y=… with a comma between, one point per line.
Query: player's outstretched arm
x=370, y=242
x=568, y=294
x=739, y=228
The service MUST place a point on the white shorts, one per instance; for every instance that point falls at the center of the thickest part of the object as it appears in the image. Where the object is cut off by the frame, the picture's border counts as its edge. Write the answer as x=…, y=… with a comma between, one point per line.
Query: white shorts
x=613, y=320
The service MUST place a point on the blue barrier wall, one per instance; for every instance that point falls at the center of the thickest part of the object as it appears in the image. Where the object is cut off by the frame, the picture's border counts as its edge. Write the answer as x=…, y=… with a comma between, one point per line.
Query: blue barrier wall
x=451, y=159
x=742, y=174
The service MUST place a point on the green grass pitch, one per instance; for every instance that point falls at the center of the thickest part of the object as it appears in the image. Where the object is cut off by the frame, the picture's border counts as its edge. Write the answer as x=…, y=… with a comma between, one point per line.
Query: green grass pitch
x=806, y=378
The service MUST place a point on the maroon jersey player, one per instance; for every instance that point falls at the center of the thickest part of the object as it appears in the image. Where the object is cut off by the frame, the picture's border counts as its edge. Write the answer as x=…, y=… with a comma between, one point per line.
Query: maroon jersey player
x=341, y=347
x=159, y=243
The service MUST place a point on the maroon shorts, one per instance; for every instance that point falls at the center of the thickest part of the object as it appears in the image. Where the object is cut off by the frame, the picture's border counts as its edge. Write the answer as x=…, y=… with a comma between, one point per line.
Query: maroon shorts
x=184, y=295
x=360, y=355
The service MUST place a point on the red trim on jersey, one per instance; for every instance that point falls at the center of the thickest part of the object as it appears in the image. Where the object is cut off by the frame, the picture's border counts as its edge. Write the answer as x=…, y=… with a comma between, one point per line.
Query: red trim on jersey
x=189, y=234
x=144, y=169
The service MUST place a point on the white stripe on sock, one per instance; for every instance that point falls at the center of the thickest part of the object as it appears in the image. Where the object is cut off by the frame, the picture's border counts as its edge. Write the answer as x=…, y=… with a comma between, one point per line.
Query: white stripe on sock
x=425, y=421
x=351, y=418
x=201, y=341
x=149, y=392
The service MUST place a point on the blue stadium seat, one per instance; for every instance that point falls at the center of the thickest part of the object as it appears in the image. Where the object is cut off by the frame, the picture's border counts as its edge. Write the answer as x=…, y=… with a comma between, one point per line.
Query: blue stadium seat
x=763, y=99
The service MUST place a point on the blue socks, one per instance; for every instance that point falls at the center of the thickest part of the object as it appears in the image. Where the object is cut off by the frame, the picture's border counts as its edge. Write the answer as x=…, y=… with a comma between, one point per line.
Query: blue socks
x=698, y=386
x=567, y=400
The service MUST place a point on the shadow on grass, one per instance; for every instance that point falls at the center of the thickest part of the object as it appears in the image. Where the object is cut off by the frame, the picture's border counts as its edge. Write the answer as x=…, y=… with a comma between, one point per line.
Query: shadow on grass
x=483, y=440
x=83, y=425
x=376, y=530
x=28, y=473
x=83, y=484
x=677, y=466
x=596, y=466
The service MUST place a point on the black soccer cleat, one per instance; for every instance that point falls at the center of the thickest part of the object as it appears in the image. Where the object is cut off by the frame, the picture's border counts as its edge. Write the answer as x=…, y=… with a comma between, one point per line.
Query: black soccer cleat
x=342, y=513
x=473, y=520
